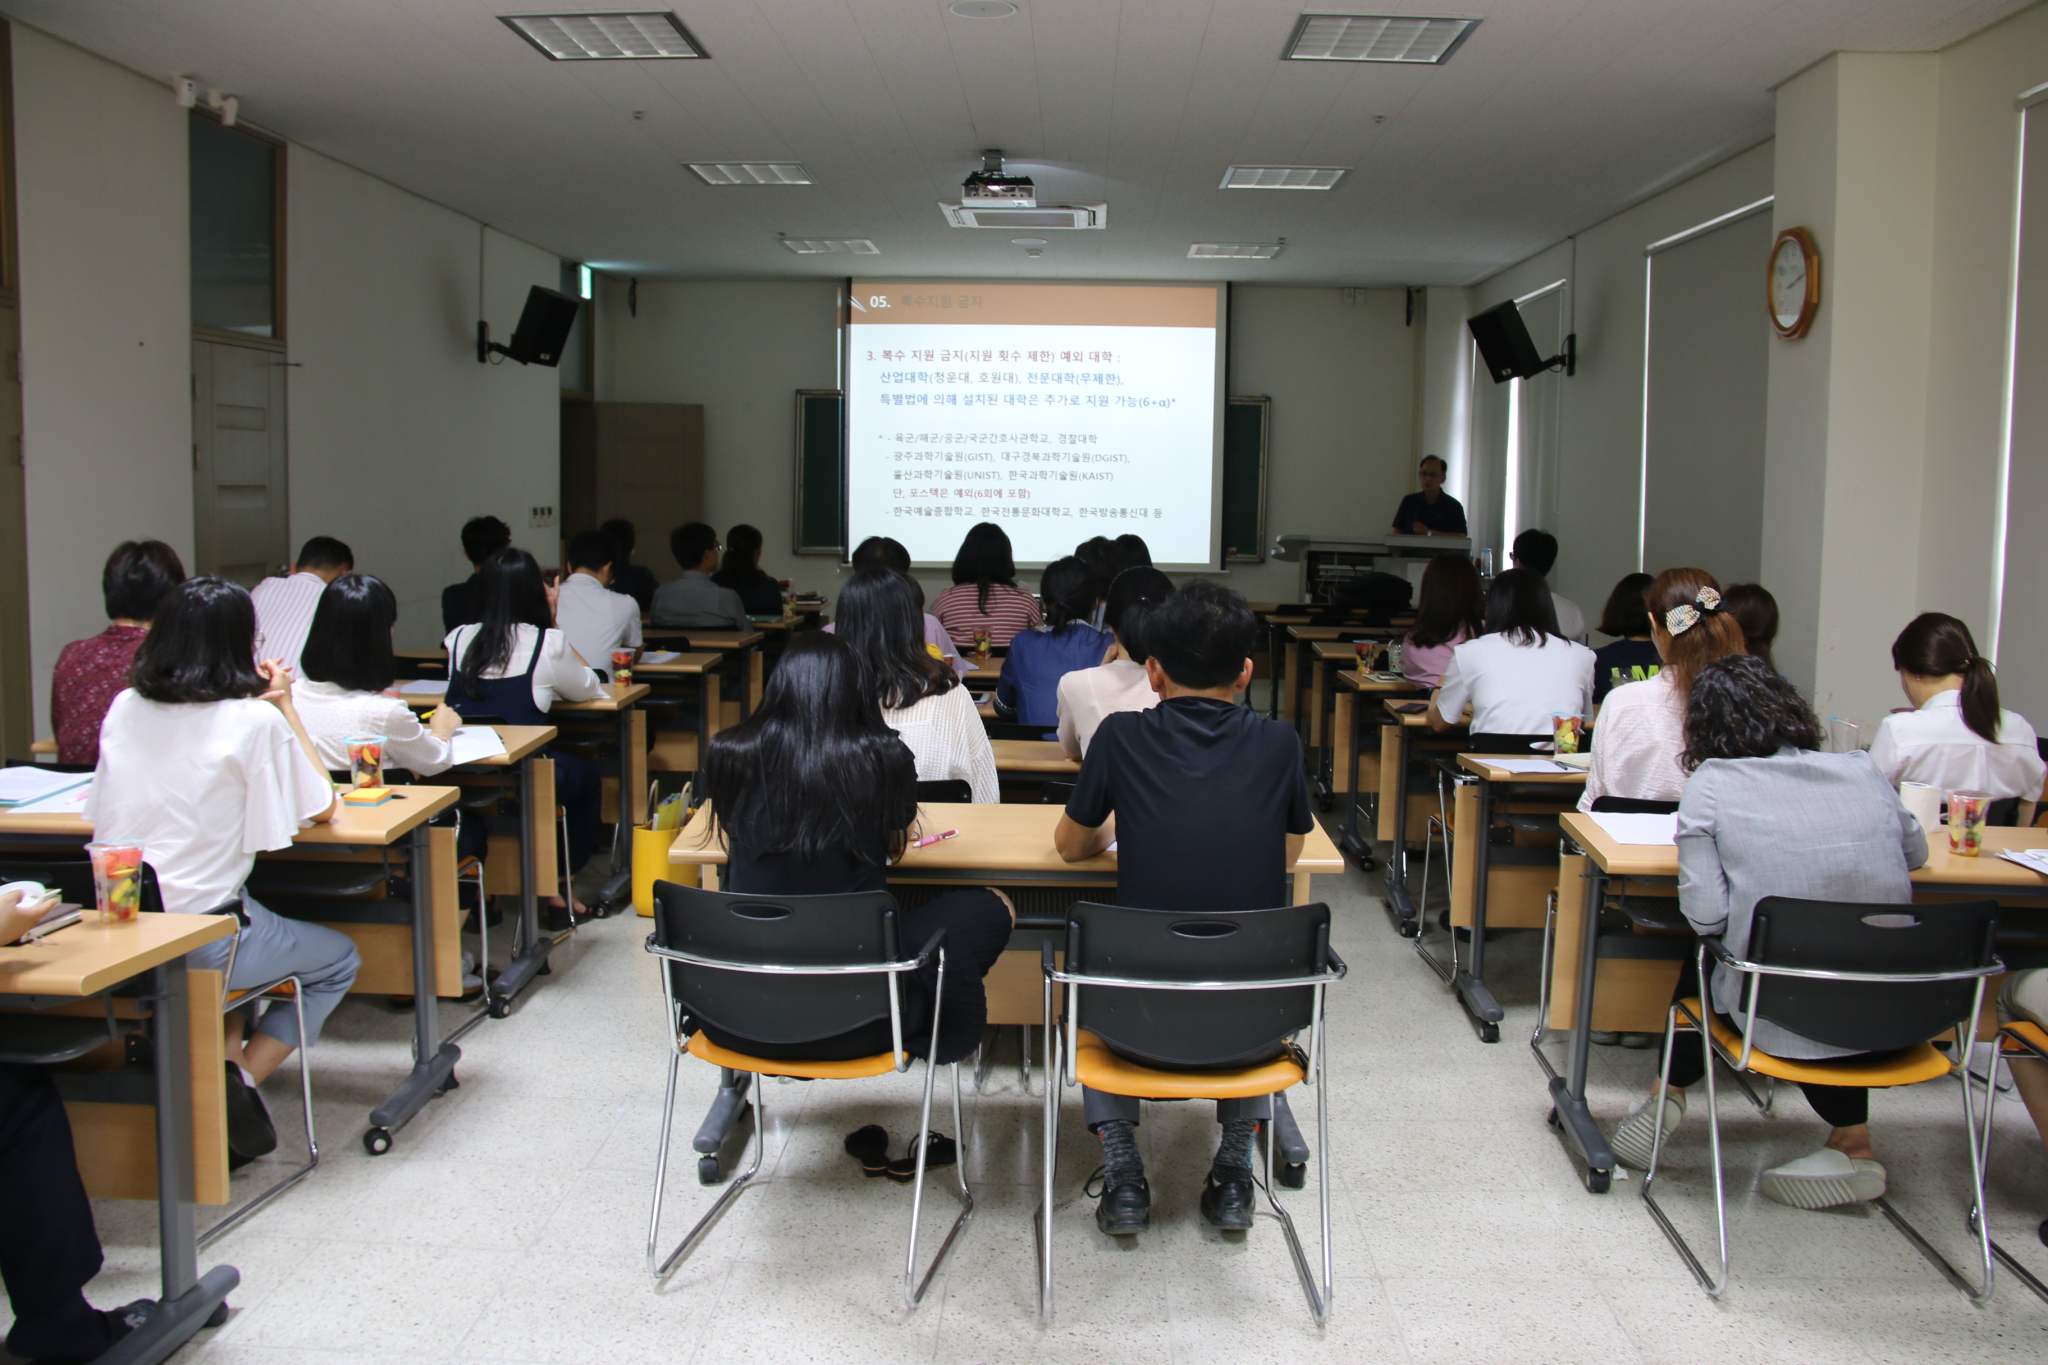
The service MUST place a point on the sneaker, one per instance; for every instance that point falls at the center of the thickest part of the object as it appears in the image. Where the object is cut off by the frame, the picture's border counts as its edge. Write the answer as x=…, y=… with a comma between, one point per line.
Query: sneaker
x=1601, y=1037
x=1228, y=1202
x=1633, y=1138
x=1823, y=1179
x=250, y=1133
x=1125, y=1210
x=1640, y=1041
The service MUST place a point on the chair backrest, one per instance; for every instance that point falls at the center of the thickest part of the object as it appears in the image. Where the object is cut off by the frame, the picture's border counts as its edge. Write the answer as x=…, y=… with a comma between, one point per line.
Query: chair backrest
x=1055, y=793
x=72, y=879
x=1906, y=940
x=1196, y=1029
x=858, y=928
x=1012, y=729
x=2004, y=813
x=951, y=789
x=1619, y=805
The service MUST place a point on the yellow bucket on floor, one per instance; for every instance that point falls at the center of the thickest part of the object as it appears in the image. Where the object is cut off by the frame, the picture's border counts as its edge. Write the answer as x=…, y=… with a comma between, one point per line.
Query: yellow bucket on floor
x=651, y=864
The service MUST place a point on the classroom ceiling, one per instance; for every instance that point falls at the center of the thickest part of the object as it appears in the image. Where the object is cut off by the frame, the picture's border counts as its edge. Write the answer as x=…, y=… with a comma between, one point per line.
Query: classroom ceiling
x=1551, y=116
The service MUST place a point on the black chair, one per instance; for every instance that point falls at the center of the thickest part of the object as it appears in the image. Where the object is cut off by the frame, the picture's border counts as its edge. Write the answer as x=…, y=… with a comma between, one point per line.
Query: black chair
x=1164, y=1005
x=1881, y=979
x=1055, y=793
x=2020, y=1040
x=1011, y=729
x=952, y=790
x=790, y=970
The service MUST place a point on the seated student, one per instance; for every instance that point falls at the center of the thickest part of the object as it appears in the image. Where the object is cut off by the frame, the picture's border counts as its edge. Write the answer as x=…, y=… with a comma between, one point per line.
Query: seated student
x=514, y=665
x=694, y=600
x=1206, y=802
x=1639, y=744
x=1766, y=814
x=1137, y=554
x=1632, y=657
x=1028, y=691
x=1537, y=551
x=1451, y=610
x=1957, y=737
x=205, y=763
x=636, y=581
x=347, y=666
x=138, y=575
x=482, y=537
x=816, y=797
x=1105, y=559
x=921, y=698
x=1119, y=683
x=284, y=606
x=985, y=597
x=888, y=553
x=1756, y=611
x=49, y=1248
x=596, y=619
x=742, y=572
x=1518, y=675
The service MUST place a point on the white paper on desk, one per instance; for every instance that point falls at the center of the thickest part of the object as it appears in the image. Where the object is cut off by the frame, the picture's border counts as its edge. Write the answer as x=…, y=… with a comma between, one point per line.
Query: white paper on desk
x=33, y=784
x=659, y=656
x=424, y=687
x=2034, y=859
x=1633, y=828
x=70, y=801
x=473, y=743
x=1528, y=765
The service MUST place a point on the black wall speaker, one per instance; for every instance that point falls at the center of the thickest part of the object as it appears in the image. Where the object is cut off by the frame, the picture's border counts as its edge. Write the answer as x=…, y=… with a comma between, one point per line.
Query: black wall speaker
x=1504, y=343
x=544, y=326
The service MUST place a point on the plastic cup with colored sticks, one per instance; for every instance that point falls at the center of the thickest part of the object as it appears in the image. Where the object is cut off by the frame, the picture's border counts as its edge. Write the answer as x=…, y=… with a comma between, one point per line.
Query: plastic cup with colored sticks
x=117, y=880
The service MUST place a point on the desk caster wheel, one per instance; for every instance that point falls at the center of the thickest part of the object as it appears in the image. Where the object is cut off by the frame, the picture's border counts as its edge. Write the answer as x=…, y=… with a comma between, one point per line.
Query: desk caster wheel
x=1366, y=862
x=1293, y=1175
x=1551, y=1117
x=498, y=1006
x=1410, y=928
x=1489, y=1033
x=545, y=970
x=708, y=1170
x=1325, y=803
x=1598, y=1182
x=450, y=1084
x=377, y=1141
x=219, y=1316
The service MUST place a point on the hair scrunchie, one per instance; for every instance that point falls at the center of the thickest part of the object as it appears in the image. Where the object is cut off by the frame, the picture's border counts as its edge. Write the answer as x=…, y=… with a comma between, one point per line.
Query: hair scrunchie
x=1686, y=615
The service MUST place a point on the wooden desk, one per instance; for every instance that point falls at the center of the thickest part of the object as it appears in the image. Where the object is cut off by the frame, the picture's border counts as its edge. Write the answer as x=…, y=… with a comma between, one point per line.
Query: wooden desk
x=1395, y=799
x=1347, y=732
x=534, y=855
x=746, y=644
x=676, y=751
x=988, y=672
x=89, y=958
x=616, y=699
x=1036, y=756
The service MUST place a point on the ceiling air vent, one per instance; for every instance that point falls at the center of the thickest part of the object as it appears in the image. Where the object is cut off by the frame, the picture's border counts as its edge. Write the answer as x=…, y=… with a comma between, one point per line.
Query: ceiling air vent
x=1057, y=217
x=1282, y=177
x=832, y=246
x=636, y=37
x=1413, y=40
x=1241, y=251
x=750, y=172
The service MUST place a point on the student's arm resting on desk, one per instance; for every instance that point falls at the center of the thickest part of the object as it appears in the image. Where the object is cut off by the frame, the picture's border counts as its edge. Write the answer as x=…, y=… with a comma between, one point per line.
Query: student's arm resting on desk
x=1088, y=825
x=1450, y=697
x=279, y=694
x=17, y=919
x=561, y=670
x=1077, y=842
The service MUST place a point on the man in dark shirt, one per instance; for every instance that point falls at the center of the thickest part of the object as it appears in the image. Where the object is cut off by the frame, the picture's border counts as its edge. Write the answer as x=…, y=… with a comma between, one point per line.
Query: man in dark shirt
x=482, y=537
x=1432, y=512
x=1206, y=802
x=636, y=581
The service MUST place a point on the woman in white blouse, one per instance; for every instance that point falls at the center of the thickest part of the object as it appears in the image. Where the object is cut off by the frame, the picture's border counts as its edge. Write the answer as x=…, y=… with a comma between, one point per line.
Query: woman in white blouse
x=204, y=763
x=513, y=666
x=1517, y=675
x=1957, y=737
x=1086, y=695
x=347, y=667
x=921, y=698
x=1639, y=740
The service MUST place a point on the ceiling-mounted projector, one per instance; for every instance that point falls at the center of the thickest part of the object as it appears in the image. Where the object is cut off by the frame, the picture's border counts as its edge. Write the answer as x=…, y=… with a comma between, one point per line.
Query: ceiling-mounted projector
x=992, y=198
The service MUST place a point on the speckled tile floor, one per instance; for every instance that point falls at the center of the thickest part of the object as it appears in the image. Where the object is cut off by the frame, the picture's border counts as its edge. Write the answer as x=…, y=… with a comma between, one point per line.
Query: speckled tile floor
x=509, y=1222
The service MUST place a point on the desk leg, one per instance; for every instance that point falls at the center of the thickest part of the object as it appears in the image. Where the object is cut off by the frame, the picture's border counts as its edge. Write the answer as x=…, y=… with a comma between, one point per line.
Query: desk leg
x=523, y=968
x=1358, y=846
x=433, y=1064
x=1591, y=1157
x=1289, y=653
x=1470, y=984
x=1399, y=908
x=1272, y=671
x=755, y=668
x=189, y=1298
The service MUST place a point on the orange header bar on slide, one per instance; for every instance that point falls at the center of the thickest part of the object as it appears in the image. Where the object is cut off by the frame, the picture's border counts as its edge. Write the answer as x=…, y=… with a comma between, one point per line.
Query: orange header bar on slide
x=924, y=302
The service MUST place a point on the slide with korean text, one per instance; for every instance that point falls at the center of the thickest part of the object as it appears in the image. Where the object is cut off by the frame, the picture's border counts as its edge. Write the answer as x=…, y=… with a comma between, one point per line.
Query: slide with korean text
x=1058, y=411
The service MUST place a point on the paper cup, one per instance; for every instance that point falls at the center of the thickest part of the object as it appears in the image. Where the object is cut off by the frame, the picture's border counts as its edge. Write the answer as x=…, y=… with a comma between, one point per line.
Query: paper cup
x=1925, y=803
x=117, y=880
x=1966, y=813
x=365, y=760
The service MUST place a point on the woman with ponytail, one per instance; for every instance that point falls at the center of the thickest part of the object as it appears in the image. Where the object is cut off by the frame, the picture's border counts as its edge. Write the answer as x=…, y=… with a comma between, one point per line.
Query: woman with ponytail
x=1956, y=737
x=1640, y=733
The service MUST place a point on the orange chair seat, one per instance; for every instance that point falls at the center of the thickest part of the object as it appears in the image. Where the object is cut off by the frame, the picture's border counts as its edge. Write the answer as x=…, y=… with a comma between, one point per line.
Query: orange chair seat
x=1910, y=1067
x=2022, y=1036
x=1096, y=1067
x=852, y=1070
x=282, y=990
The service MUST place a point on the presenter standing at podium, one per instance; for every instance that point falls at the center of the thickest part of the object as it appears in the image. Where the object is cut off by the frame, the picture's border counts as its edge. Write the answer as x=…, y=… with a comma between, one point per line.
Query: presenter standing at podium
x=1432, y=512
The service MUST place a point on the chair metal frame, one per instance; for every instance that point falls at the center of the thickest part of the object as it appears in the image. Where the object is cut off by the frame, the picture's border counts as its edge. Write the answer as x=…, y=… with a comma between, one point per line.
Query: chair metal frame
x=913, y=1288
x=1711, y=947
x=1060, y=1044
x=2032, y=1052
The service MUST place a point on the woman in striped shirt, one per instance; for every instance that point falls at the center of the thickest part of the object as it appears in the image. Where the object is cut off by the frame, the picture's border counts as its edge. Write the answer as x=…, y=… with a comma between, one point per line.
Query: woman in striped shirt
x=985, y=595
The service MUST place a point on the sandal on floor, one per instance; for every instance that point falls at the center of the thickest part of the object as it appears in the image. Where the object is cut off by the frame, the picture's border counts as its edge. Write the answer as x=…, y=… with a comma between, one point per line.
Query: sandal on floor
x=870, y=1147
x=939, y=1150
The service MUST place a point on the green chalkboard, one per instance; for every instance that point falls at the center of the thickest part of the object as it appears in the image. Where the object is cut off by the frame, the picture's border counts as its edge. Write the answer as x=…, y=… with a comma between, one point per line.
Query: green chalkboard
x=820, y=472
x=1244, y=479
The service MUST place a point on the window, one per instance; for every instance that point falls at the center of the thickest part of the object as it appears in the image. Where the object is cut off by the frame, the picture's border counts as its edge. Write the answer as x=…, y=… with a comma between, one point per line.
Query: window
x=236, y=208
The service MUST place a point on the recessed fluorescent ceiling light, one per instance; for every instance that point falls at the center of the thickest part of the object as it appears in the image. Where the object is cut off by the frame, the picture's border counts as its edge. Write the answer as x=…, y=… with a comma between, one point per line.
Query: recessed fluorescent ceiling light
x=983, y=9
x=1247, y=251
x=1376, y=38
x=832, y=246
x=751, y=172
x=1282, y=177
x=607, y=37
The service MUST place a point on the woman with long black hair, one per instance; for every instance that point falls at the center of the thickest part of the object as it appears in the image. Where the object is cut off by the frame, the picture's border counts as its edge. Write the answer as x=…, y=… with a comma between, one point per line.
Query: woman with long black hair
x=1450, y=610
x=741, y=571
x=985, y=598
x=513, y=666
x=920, y=696
x=1517, y=675
x=1957, y=737
x=815, y=795
x=348, y=668
x=1028, y=691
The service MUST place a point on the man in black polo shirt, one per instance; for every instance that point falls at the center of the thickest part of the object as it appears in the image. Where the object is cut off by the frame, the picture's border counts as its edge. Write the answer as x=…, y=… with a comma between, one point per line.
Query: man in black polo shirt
x=1432, y=512
x=1206, y=802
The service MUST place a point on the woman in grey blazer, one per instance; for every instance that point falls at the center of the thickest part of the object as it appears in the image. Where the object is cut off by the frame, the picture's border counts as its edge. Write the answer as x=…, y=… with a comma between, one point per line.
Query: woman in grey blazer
x=1766, y=814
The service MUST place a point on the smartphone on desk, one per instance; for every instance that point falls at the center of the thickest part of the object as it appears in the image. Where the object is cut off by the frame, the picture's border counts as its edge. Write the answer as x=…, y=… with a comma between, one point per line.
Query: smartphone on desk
x=1411, y=708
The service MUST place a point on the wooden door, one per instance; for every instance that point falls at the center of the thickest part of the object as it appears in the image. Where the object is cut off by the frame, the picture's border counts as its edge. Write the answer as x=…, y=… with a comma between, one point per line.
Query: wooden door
x=240, y=528
x=650, y=470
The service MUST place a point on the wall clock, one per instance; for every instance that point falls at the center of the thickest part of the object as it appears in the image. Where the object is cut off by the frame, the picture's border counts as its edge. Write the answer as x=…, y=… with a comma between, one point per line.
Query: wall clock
x=1793, y=286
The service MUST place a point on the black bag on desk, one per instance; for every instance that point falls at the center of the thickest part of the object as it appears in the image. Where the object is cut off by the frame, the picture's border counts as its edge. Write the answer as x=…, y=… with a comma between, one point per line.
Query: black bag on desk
x=1380, y=594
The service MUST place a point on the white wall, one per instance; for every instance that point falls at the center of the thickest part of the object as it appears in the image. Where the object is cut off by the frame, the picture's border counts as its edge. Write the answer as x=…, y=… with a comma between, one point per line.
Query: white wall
x=398, y=435
x=100, y=178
